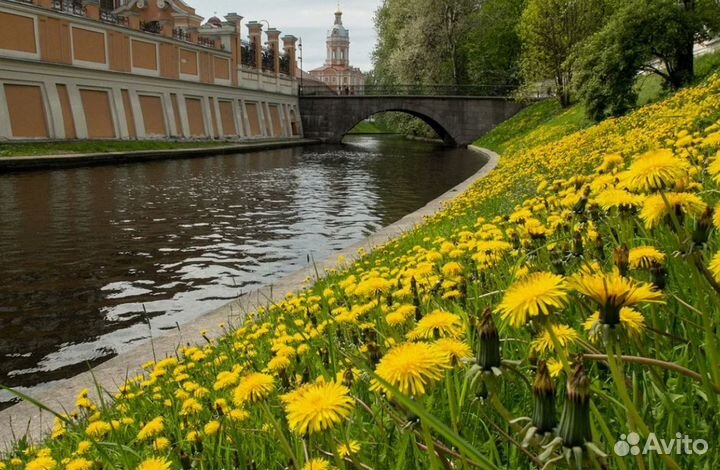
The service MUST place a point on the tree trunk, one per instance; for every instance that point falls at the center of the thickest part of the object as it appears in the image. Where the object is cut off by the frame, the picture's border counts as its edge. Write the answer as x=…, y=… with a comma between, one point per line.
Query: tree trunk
x=684, y=60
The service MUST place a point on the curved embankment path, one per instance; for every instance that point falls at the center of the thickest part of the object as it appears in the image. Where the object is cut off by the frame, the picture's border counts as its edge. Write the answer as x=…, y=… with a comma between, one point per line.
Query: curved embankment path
x=25, y=418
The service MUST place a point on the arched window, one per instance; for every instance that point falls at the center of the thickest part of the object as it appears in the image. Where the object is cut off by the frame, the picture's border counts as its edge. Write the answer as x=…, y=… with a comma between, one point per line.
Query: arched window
x=333, y=56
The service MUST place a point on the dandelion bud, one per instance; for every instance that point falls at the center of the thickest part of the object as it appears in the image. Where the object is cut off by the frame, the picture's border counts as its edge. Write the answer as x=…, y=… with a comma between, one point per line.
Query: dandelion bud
x=703, y=228
x=578, y=248
x=373, y=352
x=574, y=428
x=621, y=259
x=488, y=353
x=543, y=418
x=659, y=275
x=416, y=298
x=557, y=261
x=348, y=377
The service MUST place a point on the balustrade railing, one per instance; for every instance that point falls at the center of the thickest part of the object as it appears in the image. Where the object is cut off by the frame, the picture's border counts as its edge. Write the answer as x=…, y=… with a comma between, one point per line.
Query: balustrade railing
x=285, y=64
x=206, y=42
x=409, y=90
x=71, y=7
x=153, y=27
x=107, y=16
x=182, y=35
x=268, y=59
x=247, y=54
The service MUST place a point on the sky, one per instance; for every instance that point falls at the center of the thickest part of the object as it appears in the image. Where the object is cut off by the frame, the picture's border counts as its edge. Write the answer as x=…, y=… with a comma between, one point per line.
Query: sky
x=306, y=19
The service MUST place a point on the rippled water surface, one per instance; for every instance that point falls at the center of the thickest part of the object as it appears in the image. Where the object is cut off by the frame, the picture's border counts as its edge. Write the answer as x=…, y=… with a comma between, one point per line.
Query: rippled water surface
x=86, y=253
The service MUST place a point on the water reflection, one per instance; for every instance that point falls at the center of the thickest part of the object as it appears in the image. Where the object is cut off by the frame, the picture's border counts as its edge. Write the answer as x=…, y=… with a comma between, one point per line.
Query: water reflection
x=88, y=254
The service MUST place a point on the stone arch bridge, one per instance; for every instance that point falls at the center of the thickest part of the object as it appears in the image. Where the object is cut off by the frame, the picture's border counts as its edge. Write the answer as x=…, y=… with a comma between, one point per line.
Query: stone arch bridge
x=458, y=116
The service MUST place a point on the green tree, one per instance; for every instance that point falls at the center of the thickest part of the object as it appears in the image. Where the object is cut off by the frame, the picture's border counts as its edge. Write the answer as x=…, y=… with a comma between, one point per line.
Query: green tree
x=649, y=36
x=492, y=45
x=550, y=32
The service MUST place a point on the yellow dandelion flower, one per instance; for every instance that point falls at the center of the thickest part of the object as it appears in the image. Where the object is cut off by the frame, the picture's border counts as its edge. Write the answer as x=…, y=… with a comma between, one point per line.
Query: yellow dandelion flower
x=278, y=363
x=555, y=367
x=657, y=169
x=83, y=447
x=352, y=447
x=452, y=269
x=253, y=387
x=190, y=407
x=611, y=162
x=714, y=266
x=41, y=463
x=161, y=443
x=225, y=380
x=317, y=407
x=79, y=464
x=372, y=287
x=645, y=257
x=565, y=335
x=631, y=320
x=400, y=315
x=154, y=463
x=611, y=292
x=714, y=168
x=411, y=367
x=151, y=429
x=618, y=198
x=238, y=416
x=437, y=324
x=98, y=429
x=656, y=209
x=212, y=428
x=536, y=294
x=318, y=464
x=716, y=216
x=456, y=350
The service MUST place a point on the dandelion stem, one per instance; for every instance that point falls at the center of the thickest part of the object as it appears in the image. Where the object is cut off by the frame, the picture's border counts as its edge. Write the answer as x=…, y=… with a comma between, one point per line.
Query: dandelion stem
x=619, y=378
x=653, y=362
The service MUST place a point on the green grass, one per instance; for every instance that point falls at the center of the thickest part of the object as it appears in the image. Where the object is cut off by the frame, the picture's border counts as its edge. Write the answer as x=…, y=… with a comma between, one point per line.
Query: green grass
x=537, y=124
x=97, y=146
x=367, y=127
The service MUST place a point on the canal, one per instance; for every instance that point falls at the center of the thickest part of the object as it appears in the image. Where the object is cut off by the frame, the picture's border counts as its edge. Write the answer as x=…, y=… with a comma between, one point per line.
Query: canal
x=88, y=255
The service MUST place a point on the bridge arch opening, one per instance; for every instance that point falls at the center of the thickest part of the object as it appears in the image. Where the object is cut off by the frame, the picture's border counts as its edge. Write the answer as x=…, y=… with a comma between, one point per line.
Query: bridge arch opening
x=440, y=132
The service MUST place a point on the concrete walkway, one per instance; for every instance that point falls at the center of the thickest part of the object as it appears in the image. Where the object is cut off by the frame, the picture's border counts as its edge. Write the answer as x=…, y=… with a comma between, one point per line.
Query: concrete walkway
x=60, y=395
x=40, y=162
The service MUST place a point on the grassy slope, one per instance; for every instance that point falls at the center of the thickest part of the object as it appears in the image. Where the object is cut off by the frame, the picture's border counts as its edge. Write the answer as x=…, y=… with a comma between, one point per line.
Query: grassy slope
x=538, y=145
x=367, y=127
x=537, y=124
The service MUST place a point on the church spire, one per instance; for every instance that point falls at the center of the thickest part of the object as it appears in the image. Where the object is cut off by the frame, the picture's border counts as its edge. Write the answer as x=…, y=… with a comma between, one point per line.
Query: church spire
x=338, y=15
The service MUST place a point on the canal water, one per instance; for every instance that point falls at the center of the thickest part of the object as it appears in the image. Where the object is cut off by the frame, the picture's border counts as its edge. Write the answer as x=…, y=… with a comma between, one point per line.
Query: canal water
x=88, y=255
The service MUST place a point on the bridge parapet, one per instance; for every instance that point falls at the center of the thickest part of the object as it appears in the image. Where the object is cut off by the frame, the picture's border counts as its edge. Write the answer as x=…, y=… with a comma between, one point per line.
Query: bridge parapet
x=411, y=90
x=458, y=120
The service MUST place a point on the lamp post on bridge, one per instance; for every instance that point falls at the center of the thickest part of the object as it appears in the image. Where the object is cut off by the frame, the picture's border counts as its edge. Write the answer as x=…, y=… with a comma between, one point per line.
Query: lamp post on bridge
x=300, y=48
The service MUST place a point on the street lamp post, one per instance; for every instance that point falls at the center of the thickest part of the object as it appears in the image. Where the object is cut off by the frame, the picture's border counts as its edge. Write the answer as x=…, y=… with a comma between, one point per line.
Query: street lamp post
x=300, y=90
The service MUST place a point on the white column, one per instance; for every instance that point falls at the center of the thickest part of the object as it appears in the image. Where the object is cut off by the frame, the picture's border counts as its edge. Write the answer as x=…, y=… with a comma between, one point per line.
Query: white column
x=170, y=124
x=54, y=114
x=5, y=127
x=78, y=111
x=137, y=112
x=247, y=130
x=121, y=126
x=218, y=118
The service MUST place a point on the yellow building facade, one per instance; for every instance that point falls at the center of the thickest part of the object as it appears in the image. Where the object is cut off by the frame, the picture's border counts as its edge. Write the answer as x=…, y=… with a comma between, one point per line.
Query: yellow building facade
x=141, y=69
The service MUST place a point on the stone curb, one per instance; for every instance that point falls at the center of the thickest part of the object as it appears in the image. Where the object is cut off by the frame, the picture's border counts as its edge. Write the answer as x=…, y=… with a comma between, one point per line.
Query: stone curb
x=42, y=162
x=25, y=418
